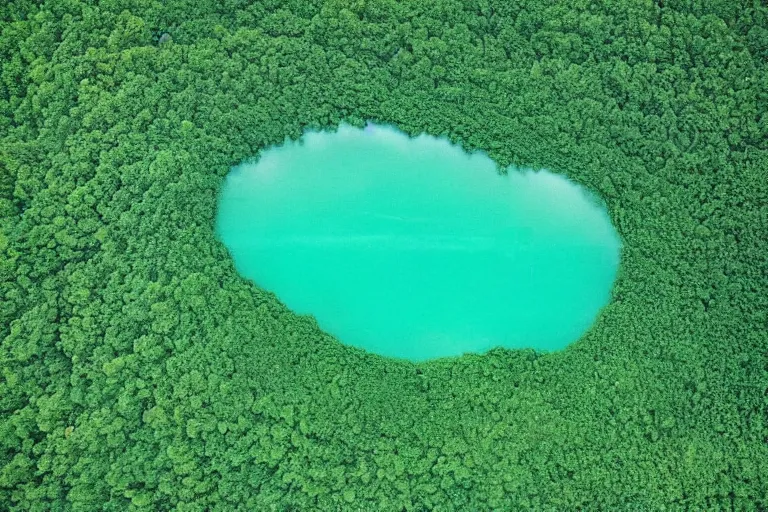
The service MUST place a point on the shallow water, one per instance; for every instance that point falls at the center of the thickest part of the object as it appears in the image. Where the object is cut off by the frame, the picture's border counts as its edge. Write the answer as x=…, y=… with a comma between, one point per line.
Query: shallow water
x=414, y=248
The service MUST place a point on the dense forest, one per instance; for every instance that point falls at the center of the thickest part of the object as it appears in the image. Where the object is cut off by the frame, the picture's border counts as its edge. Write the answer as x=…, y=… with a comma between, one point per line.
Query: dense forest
x=139, y=371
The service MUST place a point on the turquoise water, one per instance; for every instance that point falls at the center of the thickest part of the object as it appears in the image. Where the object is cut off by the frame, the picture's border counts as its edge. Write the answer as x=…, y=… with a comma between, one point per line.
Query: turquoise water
x=413, y=248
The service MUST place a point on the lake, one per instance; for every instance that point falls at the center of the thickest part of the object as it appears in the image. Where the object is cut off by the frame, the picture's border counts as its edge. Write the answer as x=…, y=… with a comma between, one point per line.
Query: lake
x=414, y=248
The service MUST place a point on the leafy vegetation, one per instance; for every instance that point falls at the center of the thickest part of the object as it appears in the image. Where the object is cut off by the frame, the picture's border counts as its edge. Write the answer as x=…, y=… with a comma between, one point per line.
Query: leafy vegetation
x=138, y=371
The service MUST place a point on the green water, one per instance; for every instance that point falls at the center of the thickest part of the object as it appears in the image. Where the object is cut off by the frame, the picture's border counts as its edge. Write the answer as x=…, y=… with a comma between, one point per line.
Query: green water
x=413, y=248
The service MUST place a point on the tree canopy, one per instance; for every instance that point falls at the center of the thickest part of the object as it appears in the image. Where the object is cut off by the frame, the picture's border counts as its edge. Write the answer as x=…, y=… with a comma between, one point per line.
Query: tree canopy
x=139, y=371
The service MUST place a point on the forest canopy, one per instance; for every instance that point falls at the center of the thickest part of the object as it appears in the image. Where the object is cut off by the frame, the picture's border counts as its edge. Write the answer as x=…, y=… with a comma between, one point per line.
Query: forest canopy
x=139, y=371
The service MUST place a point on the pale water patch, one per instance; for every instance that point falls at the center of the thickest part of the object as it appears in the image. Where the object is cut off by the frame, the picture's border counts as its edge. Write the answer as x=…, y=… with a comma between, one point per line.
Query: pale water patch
x=414, y=248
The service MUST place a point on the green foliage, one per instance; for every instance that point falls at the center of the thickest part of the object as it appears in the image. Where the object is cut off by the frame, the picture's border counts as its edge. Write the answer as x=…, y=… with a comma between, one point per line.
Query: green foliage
x=138, y=371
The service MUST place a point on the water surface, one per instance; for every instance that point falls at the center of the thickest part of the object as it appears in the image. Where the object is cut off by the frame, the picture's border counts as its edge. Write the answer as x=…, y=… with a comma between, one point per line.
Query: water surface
x=414, y=248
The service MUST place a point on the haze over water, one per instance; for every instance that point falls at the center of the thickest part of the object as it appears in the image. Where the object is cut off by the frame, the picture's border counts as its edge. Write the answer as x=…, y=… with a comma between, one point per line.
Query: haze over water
x=414, y=248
